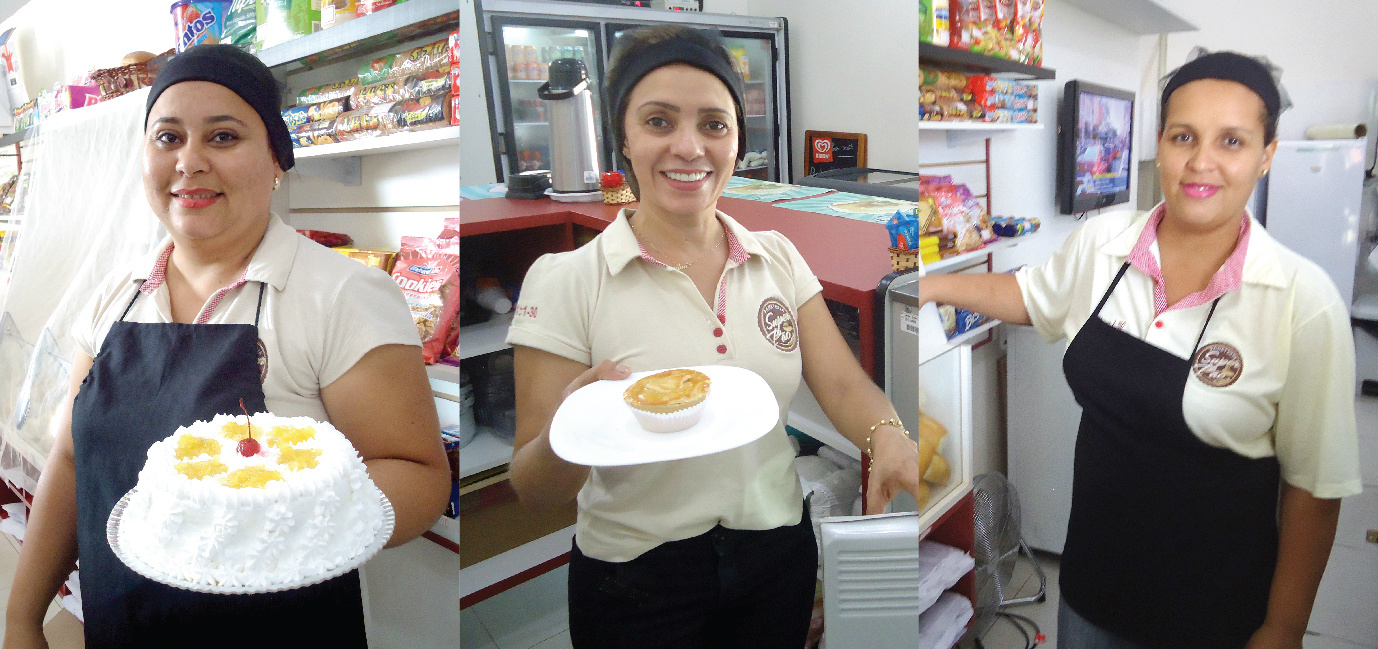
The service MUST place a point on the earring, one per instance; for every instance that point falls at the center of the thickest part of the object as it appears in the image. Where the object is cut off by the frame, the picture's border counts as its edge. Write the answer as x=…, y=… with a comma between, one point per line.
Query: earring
x=1263, y=173
x=277, y=182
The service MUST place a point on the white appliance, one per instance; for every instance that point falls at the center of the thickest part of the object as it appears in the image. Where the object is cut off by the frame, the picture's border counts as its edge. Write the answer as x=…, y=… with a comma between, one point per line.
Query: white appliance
x=871, y=580
x=1315, y=189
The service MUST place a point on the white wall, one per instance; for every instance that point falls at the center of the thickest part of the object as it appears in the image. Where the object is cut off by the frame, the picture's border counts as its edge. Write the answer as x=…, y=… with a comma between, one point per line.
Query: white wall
x=853, y=71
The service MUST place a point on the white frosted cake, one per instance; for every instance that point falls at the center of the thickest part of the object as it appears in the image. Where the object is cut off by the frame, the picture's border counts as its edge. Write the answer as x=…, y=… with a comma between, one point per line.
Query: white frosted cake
x=211, y=507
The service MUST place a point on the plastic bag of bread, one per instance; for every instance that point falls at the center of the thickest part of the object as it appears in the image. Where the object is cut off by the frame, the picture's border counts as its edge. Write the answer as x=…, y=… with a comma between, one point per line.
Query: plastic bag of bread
x=430, y=111
x=369, y=122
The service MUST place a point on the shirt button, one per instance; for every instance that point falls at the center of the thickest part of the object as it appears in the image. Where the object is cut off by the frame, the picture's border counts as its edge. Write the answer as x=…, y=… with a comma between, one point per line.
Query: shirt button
x=1158, y=324
x=722, y=349
x=717, y=333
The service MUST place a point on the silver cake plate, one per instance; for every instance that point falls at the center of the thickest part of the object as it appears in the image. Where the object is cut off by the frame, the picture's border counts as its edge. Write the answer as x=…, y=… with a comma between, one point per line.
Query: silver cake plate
x=113, y=536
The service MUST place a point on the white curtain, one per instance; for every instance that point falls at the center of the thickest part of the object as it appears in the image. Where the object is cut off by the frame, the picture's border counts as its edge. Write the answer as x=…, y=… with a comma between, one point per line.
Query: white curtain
x=83, y=215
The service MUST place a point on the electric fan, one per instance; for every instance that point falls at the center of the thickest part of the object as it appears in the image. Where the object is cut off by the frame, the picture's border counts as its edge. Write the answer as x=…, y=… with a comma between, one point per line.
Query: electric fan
x=997, y=548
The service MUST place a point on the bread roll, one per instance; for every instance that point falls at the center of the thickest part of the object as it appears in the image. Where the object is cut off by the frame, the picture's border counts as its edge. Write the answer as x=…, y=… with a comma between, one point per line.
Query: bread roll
x=939, y=471
x=136, y=57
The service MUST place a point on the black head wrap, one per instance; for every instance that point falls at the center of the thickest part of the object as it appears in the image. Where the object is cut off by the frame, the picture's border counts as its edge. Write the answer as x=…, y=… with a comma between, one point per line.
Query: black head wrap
x=244, y=75
x=1257, y=75
x=707, y=54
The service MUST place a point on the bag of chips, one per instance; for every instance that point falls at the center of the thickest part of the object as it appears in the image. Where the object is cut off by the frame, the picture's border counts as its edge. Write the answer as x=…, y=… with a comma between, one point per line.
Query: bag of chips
x=427, y=270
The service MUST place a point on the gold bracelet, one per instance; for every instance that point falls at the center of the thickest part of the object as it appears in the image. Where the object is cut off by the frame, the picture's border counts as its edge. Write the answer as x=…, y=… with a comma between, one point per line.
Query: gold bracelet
x=884, y=422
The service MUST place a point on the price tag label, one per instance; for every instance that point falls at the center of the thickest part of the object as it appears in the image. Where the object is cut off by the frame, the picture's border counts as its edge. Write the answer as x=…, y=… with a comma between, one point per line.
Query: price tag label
x=909, y=322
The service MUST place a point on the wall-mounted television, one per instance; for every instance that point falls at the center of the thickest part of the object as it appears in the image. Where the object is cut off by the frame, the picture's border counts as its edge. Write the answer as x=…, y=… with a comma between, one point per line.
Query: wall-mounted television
x=1095, y=129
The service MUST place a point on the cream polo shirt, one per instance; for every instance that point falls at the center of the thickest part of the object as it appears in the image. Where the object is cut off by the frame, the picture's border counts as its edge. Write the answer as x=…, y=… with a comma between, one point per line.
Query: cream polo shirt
x=610, y=300
x=321, y=313
x=1283, y=339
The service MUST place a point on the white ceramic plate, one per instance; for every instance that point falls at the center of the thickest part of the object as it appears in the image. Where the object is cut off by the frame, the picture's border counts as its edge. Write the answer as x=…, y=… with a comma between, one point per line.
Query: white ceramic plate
x=595, y=427
x=113, y=536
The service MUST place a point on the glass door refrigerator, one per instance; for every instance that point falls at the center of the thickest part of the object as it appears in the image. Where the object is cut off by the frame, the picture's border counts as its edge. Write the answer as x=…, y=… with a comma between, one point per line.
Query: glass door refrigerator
x=522, y=36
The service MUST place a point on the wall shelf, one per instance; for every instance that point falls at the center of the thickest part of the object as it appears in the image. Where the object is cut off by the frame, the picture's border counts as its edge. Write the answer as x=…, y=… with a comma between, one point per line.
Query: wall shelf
x=342, y=163
x=482, y=453
x=947, y=58
x=1138, y=16
x=365, y=34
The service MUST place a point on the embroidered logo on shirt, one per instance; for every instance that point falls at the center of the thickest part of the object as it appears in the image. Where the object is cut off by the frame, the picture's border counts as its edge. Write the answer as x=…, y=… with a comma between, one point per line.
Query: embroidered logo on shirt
x=1217, y=365
x=262, y=362
x=777, y=325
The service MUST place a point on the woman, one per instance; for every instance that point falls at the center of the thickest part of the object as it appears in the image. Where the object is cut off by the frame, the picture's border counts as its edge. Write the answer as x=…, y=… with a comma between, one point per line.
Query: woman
x=714, y=551
x=1214, y=367
x=234, y=304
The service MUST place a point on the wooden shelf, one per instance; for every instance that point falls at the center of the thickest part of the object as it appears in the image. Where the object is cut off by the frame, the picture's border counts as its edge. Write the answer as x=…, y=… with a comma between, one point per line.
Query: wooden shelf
x=931, y=55
x=365, y=34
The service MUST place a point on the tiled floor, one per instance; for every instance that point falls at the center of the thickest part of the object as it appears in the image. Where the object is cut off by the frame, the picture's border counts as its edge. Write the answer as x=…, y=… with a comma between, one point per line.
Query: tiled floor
x=62, y=628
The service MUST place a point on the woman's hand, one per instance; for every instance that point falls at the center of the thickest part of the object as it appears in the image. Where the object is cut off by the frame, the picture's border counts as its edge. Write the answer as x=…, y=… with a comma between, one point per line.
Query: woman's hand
x=894, y=468
x=605, y=371
x=544, y=380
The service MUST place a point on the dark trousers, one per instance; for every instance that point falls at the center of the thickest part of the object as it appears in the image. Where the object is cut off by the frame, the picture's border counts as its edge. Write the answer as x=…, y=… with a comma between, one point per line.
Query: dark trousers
x=722, y=589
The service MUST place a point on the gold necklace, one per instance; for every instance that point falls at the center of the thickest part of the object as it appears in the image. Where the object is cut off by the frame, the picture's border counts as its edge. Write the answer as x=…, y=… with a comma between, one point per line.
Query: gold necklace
x=678, y=267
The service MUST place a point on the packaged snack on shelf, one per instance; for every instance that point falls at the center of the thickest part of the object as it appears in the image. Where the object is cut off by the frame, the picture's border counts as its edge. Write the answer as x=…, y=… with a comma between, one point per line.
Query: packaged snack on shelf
x=904, y=230
x=432, y=56
x=454, y=109
x=948, y=314
x=386, y=92
x=317, y=112
x=131, y=75
x=966, y=321
x=942, y=78
x=274, y=23
x=305, y=16
x=427, y=270
x=335, y=12
x=313, y=133
x=241, y=25
x=195, y=23
x=26, y=115
x=959, y=14
x=1028, y=31
x=380, y=259
x=366, y=123
x=454, y=48
x=987, y=36
x=431, y=111
x=327, y=91
x=366, y=7
x=933, y=21
x=449, y=436
x=78, y=96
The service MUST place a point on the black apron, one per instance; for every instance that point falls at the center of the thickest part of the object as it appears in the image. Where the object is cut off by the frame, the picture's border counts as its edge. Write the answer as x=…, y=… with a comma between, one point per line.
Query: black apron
x=1172, y=542
x=148, y=380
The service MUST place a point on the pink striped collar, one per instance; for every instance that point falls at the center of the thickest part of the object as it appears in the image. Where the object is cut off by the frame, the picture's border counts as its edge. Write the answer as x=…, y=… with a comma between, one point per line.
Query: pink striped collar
x=158, y=277
x=1228, y=278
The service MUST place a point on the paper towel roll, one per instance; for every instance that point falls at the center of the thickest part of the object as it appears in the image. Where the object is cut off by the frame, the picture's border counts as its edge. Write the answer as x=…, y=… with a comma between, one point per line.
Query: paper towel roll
x=1336, y=132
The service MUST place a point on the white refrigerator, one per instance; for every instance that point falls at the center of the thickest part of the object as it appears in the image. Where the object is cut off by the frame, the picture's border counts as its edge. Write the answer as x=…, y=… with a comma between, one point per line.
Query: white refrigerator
x=1310, y=202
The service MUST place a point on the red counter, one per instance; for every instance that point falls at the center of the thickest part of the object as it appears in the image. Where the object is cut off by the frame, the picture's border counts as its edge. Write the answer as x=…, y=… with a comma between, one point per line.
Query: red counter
x=850, y=257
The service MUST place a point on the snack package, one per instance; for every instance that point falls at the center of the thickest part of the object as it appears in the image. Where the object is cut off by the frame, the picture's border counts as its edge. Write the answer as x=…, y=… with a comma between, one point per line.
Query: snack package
x=241, y=25
x=933, y=22
x=335, y=12
x=305, y=16
x=959, y=14
x=427, y=270
x=366, y=7
x=454, y=109
x=195, y=23
x=317, y=112
x=313, y=133
x=432, y=56
x=327, y=92
x=430, y=111
x=274, y=23
x=904, y=230
x=380, y=259
x=386, y=92
x=369, y=122
x=1028, y=31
